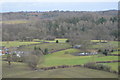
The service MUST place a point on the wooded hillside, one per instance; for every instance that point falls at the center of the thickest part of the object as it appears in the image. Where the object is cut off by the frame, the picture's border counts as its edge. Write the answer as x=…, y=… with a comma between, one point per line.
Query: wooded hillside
x=62, y=24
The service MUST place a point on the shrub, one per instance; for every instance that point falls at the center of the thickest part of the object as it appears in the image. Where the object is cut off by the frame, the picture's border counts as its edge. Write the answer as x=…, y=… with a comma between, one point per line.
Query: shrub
x=112, y=50
x=57, y=41
x=67, y=41
x=103, y=67
x=90, y=65
x=14, y=58
x=118, y=69
x=46, y=51
x=66, y=52
x=9, y=59
x=32, y=61
x=13, y=53
x=35, y=48
x=99, y=50
x=105, y=52
x=98, y=66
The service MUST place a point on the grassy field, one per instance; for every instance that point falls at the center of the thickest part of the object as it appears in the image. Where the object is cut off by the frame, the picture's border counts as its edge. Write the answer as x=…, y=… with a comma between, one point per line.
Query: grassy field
x=49, y=46
x=60, y=40
x=21, y=70
x=116, y=52
x=63, y=57
x=97, y=41
x=16, y=43
x=14, y=22
x=113, y=44
x=60, y=58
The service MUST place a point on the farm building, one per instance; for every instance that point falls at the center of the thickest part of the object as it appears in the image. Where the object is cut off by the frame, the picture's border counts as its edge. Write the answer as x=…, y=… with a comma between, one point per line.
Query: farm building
x=77, y=46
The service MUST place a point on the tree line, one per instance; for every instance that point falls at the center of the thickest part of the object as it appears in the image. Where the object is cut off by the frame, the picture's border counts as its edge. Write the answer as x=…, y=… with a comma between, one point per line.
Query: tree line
x=101, y=25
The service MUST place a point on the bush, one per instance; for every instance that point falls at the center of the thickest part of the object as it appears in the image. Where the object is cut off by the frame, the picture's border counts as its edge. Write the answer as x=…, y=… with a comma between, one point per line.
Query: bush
x=14, y=58
x=35, y=48
x=66, y=52
x=99, y=50
x=32, y=61
x=46, y=51
x=112, y=50
x=57, y=41
x=13, y=53
x=103, y=67
x=98, y=66
x=67, y=41
x=118, y=69
x=105, y=52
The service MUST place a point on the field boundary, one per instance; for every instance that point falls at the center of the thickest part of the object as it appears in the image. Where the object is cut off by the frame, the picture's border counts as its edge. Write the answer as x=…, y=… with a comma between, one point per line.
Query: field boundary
x=107, y=61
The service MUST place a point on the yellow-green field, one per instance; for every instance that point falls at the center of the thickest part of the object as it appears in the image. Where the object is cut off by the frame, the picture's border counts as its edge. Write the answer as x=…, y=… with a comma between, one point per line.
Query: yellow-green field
x=16, y=43
x=14, y=22
x=61, y=40
x=99, y=41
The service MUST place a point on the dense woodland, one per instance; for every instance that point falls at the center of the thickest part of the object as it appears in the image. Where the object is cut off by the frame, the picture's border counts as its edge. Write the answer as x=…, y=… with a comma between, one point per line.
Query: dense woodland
x=100, y=25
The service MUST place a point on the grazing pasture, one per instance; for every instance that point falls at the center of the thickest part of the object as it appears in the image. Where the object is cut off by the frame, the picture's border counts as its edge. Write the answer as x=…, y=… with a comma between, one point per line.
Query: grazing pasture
x=98, y=41
x=60, y=58
x=112, y=44
x=116, y=52
x=20, y=70
x=61, y=54
x=16, y=43
x=60, y=40
x=50, y=46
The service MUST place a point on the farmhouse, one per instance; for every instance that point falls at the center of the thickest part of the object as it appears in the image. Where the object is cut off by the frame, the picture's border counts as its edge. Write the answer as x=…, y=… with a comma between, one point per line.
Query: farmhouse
x=77, y=46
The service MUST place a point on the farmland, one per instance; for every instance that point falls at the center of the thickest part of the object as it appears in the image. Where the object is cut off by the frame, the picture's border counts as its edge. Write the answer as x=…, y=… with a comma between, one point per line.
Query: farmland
x=50, y=46
x=61, y=40
x=116, y=52
x=61, y=55
x=20, y=70
x=16, y=43
x=59, y=58
x=113, y=44
x=59, y=44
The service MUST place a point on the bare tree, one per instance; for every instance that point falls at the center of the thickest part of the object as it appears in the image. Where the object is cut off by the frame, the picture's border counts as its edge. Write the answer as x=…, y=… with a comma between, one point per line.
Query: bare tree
x=9, y=59
x=34, y=58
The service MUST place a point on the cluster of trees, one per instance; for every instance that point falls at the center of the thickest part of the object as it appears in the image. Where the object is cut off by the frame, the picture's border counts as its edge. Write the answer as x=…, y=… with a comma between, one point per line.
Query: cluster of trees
x=34, y=58
x=63, y=24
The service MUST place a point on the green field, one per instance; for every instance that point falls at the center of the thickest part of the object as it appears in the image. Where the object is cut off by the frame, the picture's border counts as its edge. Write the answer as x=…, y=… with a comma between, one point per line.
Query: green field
x=59, y=58
x=20, y=70
x=60, y=40
x=16, y=43
x=63, y=57
x=113, y=44
x=14, y=22
x=97, y=41
x=116, y=52
x=49, y=46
